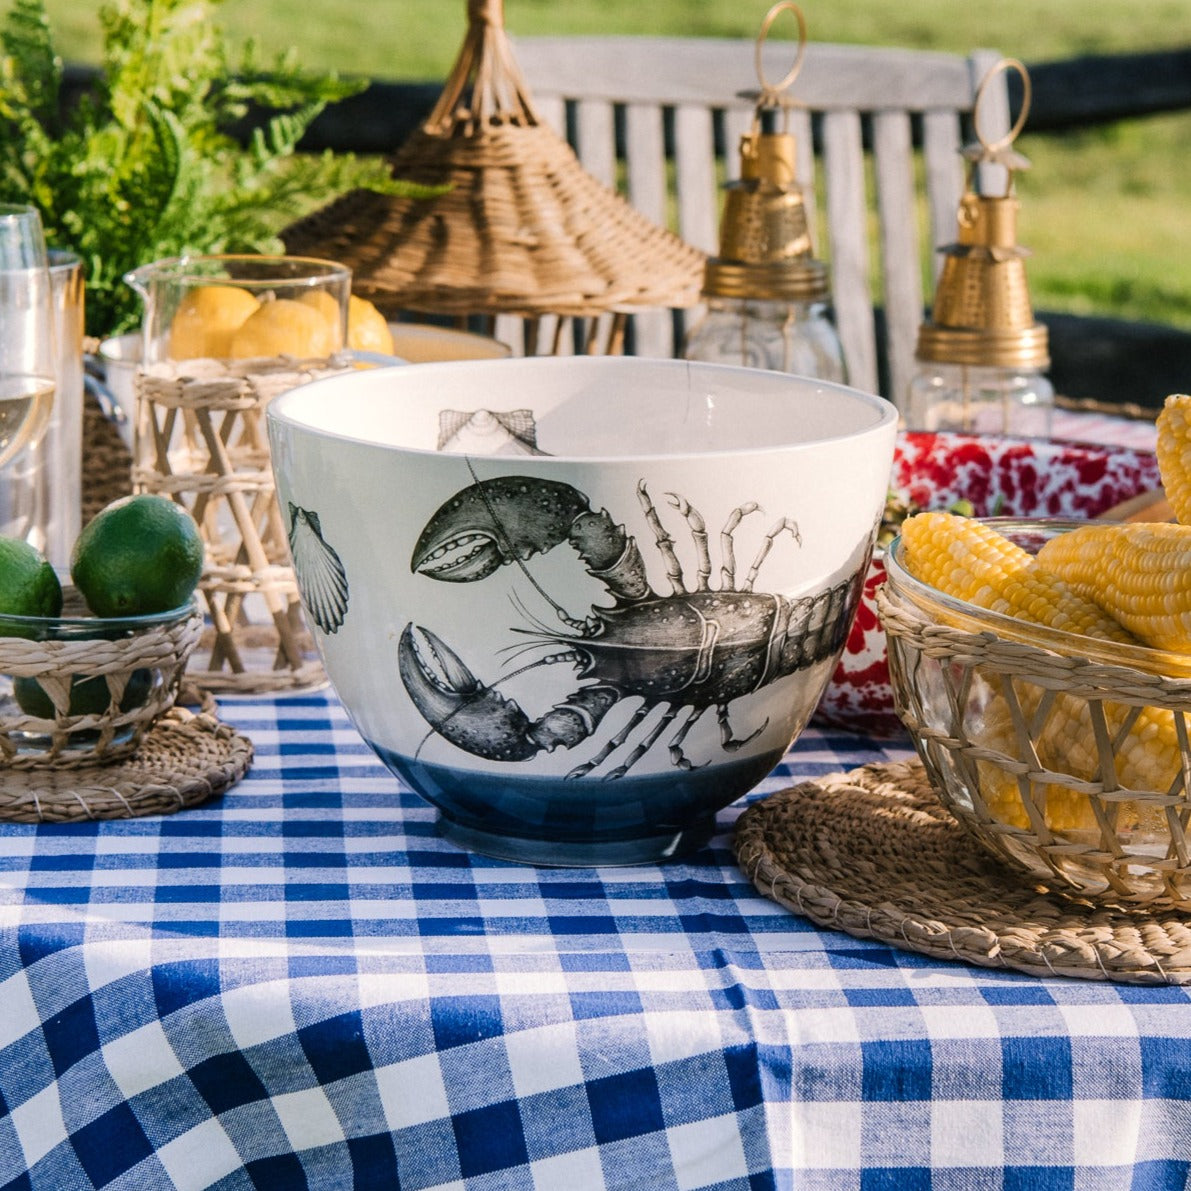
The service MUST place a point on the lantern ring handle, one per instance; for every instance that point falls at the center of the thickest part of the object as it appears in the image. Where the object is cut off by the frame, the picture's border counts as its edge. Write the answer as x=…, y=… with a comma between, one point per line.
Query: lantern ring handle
x=1005, y=65
x=771, y=91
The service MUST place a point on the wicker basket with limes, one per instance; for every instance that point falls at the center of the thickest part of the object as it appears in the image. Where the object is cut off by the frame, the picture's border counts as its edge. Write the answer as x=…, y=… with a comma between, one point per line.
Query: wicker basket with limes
x=87, y=670
x=1043, y=670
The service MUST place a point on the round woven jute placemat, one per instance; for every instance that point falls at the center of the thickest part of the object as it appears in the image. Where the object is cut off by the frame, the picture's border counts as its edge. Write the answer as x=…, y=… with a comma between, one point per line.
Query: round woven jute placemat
x=182, y=761
x=873, y=853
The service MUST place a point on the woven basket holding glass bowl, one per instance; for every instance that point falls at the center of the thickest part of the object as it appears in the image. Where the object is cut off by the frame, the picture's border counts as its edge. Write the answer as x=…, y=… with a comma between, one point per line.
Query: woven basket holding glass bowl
x=201, y=440
x=1067, y=757
x=78, y=690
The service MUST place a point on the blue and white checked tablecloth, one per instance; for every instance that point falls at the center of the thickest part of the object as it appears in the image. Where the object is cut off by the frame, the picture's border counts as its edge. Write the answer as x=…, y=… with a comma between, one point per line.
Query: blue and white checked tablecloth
x=300, y=986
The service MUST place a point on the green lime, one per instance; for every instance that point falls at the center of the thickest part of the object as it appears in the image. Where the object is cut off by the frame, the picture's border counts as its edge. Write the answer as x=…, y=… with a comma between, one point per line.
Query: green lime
x=28, y=584
x=88, y=696
x=139, y=555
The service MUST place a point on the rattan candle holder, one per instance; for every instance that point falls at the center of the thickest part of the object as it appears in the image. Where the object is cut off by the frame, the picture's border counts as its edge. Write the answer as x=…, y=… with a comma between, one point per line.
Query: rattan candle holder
x=201, y=440
x=80, y=691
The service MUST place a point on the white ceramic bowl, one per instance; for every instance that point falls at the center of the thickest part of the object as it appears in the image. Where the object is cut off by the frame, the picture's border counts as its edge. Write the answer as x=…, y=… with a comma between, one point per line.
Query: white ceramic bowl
x=580, y=604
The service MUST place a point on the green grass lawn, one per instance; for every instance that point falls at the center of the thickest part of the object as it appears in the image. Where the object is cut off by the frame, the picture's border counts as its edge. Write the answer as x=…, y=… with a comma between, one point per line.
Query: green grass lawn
x=1106, y=211
x=418, y=38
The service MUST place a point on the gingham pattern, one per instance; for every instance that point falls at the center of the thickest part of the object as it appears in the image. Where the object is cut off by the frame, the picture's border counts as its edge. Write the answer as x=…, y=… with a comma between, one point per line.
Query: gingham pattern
x=301, y=986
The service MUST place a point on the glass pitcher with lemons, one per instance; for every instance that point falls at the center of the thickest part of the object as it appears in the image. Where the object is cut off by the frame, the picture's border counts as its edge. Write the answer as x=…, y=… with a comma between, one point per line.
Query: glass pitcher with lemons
x=231, y=307
x=220, y=337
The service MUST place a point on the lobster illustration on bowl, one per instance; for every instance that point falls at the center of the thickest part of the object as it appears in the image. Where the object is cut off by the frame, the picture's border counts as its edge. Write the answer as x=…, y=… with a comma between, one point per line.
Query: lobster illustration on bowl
x=696, y=648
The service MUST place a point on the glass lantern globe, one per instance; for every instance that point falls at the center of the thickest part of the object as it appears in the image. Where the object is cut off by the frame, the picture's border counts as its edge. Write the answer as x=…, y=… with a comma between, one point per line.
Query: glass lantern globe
x=980, y=399
x=781, y=336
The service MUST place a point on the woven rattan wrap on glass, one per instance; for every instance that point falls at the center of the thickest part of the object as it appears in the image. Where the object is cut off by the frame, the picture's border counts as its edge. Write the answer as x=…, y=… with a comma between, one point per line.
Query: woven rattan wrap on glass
x=149, y=662
x=201, y=440
x=982, y=709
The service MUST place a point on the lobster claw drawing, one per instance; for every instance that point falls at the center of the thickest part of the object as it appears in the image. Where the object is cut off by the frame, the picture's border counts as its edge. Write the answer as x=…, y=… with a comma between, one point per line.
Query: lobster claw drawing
x=477, y=718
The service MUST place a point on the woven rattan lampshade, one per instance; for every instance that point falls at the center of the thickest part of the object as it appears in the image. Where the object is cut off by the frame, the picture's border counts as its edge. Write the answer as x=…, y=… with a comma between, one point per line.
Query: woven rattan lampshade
x=523, y=229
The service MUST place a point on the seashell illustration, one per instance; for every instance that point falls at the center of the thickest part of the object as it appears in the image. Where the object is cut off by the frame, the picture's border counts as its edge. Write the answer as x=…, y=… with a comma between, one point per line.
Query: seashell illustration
x=488, y=432
x=322, y=581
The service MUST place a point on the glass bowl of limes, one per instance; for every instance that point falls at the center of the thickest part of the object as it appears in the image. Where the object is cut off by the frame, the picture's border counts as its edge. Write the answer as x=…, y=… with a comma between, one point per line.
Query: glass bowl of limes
x=89, y=664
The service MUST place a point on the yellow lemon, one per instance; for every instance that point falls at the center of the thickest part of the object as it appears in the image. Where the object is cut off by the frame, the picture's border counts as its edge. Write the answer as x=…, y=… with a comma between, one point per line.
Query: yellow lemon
x=284, y=327
x=326, y=305
x=367, y=330
x=206, y=319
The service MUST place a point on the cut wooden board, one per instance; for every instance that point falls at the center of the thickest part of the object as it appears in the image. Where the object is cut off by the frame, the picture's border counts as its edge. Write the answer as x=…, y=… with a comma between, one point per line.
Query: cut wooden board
x=1146, y=506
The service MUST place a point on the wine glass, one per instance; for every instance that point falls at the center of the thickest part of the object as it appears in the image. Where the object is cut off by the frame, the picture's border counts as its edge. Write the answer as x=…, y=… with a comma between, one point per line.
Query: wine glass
x=27, y=346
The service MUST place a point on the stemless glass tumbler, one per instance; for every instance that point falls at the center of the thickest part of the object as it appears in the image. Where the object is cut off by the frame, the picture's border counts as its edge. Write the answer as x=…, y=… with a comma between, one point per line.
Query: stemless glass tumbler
x=27, y=343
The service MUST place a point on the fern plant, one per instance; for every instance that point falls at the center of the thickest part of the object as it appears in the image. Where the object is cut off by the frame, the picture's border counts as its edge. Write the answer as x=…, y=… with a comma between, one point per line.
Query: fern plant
x=145, y=166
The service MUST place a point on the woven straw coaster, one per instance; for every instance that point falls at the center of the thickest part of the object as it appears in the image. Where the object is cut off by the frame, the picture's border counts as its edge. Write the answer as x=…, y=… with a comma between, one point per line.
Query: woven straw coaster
x=873, y=853
x=182, y=761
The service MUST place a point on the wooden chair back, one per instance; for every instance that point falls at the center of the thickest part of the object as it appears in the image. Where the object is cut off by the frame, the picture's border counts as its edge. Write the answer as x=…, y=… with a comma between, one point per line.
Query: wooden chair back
x=661, y=119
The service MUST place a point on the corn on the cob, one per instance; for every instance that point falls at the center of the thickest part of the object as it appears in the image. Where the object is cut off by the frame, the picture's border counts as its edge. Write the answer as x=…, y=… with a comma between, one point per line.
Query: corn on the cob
x=1146, y=758
x=1174, y=454
x=1139, y=573
x=973, y=562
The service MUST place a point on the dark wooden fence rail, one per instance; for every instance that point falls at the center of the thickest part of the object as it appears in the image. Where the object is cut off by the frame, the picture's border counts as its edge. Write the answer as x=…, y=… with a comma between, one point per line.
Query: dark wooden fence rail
x=1096, y=359
x=1101, y=89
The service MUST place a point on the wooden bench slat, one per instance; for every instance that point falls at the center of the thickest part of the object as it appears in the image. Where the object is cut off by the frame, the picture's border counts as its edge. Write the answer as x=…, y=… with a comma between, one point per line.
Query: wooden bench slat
x=595, y=134
x=901, y=260
x=645, y=164
x=843, y=162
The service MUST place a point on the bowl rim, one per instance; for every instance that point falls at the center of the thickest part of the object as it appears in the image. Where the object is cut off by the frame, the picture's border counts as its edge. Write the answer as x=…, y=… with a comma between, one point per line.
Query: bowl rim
x=45, y=628
x=974, y=619
x=268, y=268
x=887, y=420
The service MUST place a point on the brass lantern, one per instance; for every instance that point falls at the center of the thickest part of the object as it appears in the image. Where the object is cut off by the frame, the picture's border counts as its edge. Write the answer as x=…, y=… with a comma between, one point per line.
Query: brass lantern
x=767, y=296
x=982, y=356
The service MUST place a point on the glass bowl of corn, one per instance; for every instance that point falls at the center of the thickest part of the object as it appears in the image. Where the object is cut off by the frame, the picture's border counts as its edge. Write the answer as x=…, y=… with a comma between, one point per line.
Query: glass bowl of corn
x=1043, y=671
